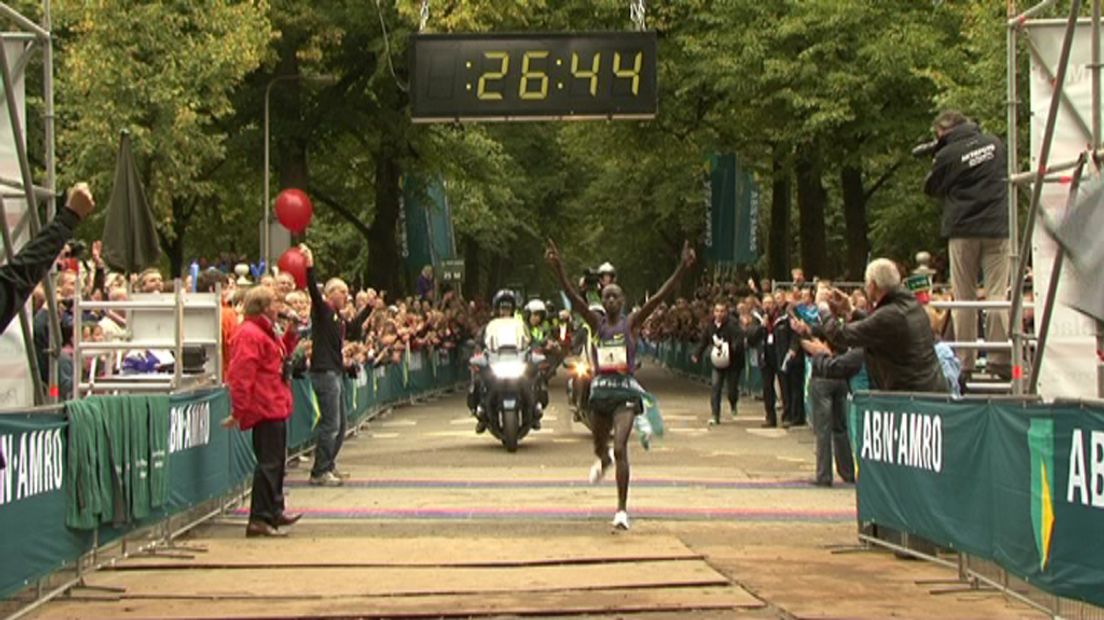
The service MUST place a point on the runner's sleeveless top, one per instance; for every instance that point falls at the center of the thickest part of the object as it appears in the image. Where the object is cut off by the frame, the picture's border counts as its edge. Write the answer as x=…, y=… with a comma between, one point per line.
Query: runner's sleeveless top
x=615, y=352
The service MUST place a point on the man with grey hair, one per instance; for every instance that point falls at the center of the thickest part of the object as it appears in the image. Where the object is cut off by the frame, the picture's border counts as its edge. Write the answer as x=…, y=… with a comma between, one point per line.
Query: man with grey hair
x=896, y=337
x=969, y=175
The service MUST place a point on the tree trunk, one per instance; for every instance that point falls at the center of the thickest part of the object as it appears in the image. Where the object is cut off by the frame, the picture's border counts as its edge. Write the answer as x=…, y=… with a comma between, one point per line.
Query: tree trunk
x=494, y=278
x=383, y=246
x=174, y=248
x=778, y=239
x=854, y=216
x=811, y=198
x=471, y=268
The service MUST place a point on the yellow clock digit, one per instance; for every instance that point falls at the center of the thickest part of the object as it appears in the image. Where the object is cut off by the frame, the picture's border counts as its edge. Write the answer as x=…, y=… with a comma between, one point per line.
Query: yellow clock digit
x=528, y=75
x=493, y=76
x=629, y=74
x=591, y=75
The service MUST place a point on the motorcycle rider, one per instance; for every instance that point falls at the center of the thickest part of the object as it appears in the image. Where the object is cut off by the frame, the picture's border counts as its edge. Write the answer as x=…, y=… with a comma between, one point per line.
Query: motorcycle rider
x=537, y=321
x=506, y=329
x=541, y=337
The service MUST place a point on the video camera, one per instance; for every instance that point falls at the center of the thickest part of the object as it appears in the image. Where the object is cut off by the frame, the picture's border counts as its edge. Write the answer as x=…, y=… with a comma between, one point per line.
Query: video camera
x=590, y=278
x=925, y=149
x=76, y=248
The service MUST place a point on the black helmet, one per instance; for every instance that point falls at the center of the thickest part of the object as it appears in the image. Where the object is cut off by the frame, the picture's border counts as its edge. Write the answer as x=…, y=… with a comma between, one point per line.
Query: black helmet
x=503, y=297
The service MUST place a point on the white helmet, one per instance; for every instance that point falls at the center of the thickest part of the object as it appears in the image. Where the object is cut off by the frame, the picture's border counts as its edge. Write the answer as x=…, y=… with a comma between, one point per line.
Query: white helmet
x=536, y=305
x=606, y=269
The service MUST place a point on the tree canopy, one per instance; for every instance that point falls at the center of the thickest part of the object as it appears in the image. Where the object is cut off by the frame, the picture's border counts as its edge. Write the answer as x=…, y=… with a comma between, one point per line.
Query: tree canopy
x=822, y=100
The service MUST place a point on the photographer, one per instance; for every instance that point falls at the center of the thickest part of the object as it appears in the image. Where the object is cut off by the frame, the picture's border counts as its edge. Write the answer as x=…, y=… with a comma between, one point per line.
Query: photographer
x=969, y=175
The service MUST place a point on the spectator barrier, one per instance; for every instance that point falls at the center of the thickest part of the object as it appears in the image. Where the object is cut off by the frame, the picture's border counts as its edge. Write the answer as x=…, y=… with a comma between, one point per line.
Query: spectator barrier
x=163, y=469
x=1015, y=483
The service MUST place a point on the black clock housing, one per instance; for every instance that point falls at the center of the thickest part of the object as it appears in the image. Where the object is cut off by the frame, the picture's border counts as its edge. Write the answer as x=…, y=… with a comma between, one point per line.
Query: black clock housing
x=465, y=77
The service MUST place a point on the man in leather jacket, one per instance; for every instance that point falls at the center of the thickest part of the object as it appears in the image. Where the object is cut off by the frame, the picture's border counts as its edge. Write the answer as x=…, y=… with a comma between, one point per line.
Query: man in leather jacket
x=896, y=337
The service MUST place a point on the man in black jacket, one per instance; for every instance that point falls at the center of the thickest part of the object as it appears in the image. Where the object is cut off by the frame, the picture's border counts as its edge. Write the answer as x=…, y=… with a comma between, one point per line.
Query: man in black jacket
x=969, y=175
x=725, y=341
x=19, y=277
x=896, y=338
x=761, y=336
x=327, y=372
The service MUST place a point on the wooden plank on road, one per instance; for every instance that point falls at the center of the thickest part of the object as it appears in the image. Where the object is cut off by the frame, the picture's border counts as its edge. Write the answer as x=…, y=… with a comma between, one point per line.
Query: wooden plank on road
x=720, y=599
x=309, y=583
x=413, y=552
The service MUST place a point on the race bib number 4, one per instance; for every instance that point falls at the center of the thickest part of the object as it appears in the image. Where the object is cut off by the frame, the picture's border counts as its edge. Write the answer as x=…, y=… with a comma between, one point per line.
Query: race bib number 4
x=613, y=359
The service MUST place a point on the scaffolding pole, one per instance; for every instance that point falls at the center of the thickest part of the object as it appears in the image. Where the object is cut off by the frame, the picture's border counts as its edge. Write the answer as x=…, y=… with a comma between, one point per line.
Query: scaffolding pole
x=32, y=194
x=1023, y=248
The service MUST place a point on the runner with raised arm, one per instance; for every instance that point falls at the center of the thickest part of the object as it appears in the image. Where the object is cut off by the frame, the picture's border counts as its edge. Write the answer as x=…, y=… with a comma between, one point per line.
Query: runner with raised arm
x=615, y=395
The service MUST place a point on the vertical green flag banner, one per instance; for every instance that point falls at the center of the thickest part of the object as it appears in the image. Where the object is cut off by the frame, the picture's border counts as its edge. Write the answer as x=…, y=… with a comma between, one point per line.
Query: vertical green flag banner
x=1019, y=484
x=732, y=211
x=426, y=228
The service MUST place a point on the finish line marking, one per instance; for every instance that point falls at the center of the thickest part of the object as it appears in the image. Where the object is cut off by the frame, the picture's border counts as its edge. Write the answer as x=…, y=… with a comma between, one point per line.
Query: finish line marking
x=729, y=514
x=650, y=483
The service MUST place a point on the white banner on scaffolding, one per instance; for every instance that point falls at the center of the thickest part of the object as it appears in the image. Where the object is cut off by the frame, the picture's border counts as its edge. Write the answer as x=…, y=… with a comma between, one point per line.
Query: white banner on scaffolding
x=1069, y=363
x=16, y=385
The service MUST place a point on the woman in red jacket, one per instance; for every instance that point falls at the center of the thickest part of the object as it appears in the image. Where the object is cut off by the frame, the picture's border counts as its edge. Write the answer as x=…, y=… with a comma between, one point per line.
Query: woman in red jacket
x=260, y=397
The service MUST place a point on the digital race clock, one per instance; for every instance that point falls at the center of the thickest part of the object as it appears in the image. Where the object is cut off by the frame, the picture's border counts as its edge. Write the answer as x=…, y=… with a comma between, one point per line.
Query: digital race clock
x=532, y=76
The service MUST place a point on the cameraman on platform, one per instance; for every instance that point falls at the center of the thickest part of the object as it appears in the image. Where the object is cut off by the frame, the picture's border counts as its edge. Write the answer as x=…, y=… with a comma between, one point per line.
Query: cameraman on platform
x=969, y=175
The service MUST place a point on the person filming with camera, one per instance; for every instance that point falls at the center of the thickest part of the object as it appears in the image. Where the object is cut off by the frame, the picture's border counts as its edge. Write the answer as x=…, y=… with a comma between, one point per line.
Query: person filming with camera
x=969, y=176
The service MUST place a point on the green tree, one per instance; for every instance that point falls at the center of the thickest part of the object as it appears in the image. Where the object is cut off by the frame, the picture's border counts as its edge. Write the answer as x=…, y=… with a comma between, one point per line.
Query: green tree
x=165, y=71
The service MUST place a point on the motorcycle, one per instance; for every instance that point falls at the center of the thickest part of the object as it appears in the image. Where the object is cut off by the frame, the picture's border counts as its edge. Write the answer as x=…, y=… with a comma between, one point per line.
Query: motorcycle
x=509, y=401
x=579, y=376
x=551, y=355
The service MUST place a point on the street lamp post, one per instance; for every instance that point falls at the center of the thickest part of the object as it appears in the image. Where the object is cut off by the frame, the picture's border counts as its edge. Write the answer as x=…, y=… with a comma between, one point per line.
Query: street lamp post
x=267, y=240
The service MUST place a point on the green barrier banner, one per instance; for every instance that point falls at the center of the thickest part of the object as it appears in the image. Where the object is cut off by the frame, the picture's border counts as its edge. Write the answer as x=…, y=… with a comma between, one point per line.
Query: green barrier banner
x=910, y=451
x=1021, y=485
x=1048, y=473
x=34, y=539
x=204, y=461
x=199, y=448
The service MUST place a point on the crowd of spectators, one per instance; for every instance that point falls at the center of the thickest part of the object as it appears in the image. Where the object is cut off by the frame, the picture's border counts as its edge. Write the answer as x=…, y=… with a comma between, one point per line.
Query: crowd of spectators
x=389, y=330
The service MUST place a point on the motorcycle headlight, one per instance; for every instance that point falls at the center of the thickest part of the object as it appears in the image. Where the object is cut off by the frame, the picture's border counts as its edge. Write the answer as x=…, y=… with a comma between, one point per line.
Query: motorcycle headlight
x=509, y=369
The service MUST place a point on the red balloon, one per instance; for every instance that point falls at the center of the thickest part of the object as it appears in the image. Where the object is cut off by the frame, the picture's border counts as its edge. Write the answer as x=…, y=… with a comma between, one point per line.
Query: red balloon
x=294, y=210
x=292, y=261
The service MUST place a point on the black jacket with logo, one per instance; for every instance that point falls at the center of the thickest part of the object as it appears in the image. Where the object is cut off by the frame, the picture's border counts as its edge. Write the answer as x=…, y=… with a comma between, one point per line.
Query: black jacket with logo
x=969, y=175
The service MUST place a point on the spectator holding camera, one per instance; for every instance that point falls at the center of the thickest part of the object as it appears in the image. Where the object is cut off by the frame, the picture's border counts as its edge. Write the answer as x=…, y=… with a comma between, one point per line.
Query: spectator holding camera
x=969, y=176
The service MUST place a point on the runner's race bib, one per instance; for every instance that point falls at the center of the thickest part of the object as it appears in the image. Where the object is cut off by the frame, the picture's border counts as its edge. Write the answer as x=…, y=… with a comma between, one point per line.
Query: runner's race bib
x=613, y=358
